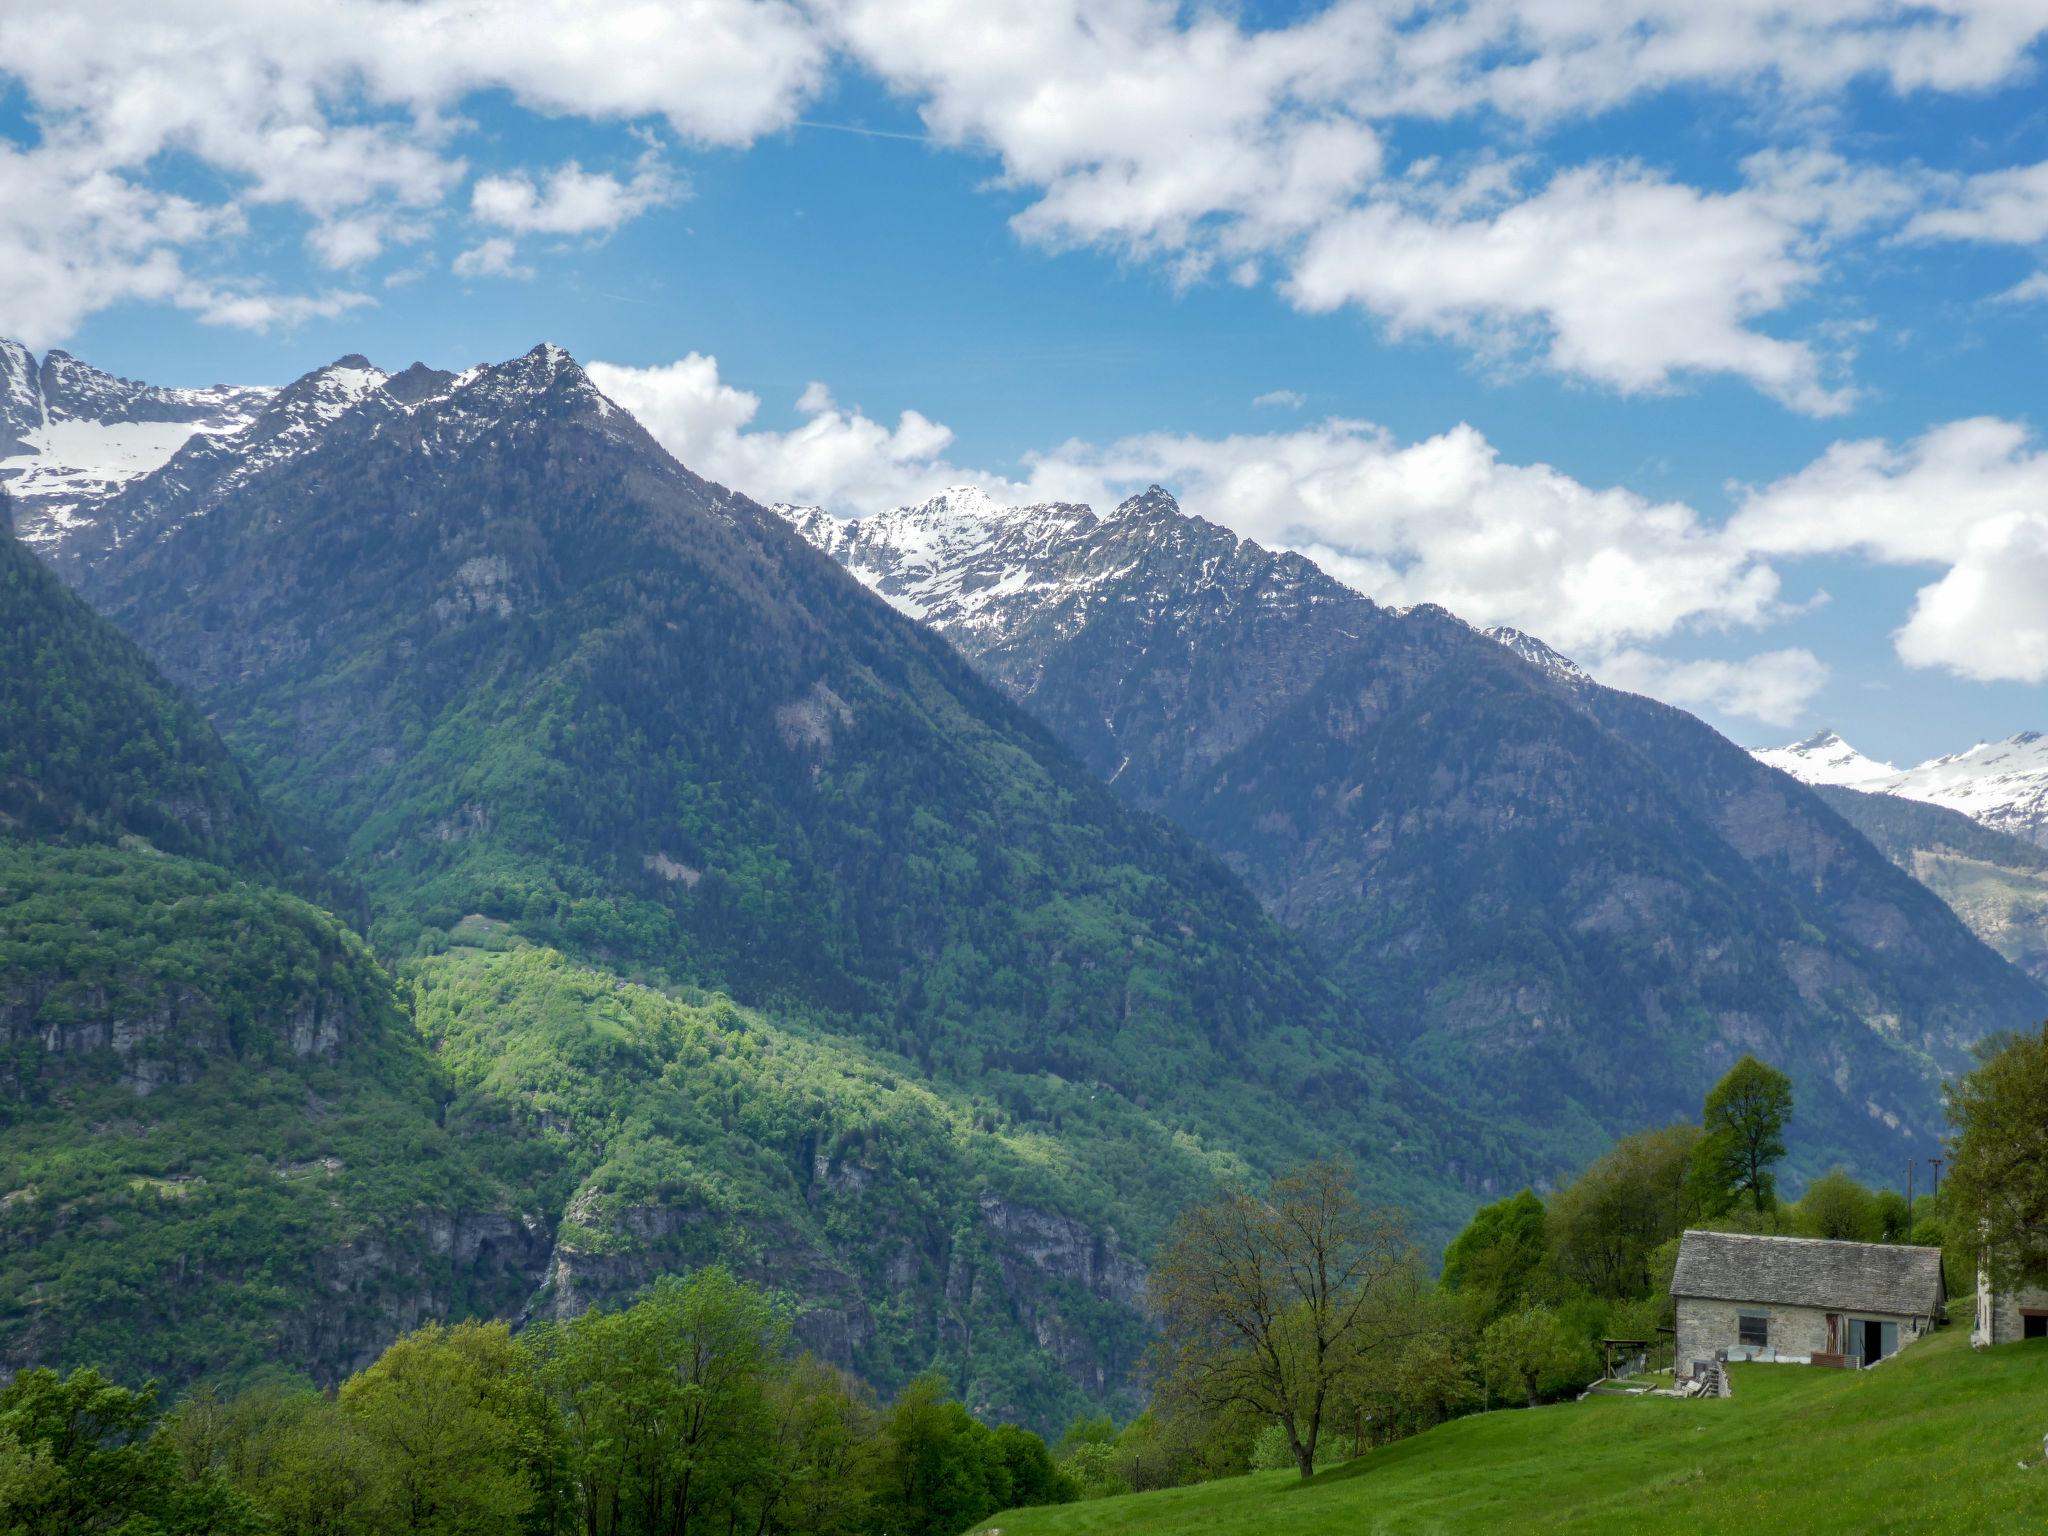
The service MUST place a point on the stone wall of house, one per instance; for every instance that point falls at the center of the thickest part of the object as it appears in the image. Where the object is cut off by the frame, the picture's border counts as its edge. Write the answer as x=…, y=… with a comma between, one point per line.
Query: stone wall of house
x=2001, y=1308
x=1706, y=1328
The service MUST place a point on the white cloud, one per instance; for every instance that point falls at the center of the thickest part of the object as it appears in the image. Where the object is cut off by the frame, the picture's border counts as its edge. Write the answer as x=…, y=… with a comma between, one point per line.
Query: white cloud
x=2027, y=290
x=77, y=239
x=1987, y=618
x=837, y=457
x=1198, y=142
x=1606, y=574
x=1181, y=135
x=345, y=110
x=496, y=257
x=1441, y=520
x=1280, y=399
x=1969, y=495
x=571, y=200
x=1774, y=687
x=1913, y=503
x=1609, y=273
x=260, y=311
x=1998, y=207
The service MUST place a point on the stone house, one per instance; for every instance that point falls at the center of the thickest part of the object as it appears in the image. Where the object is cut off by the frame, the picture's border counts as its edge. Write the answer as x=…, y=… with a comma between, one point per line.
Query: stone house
x=2006, y=1315
x=1801, y=1299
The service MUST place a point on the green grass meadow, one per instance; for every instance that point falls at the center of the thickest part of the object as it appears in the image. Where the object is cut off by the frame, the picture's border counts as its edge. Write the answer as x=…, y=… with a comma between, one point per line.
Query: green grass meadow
x=1929, y=1442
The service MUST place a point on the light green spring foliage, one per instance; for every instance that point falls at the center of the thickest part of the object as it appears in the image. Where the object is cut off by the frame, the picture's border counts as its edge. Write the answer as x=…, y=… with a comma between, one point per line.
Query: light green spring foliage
x=683, y=1412
x=783, y=1148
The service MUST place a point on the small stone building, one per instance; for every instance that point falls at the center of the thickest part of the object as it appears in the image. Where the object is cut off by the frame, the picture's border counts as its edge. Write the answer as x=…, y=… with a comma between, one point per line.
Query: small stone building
x=1801, y=1299
x=2007, y=1314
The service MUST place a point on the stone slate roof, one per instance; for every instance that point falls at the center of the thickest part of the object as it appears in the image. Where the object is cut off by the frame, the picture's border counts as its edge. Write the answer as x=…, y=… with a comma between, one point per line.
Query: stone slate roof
x=1811, y=1272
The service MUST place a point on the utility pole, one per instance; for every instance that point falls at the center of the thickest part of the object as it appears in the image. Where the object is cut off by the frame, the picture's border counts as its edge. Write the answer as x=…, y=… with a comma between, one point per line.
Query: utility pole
x=1934, y=1181
x=1911, y=1164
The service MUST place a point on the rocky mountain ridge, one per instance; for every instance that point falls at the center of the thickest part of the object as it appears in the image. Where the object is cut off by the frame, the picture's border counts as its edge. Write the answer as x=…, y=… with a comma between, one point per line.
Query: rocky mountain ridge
x=72, y=436
x=1539, y=876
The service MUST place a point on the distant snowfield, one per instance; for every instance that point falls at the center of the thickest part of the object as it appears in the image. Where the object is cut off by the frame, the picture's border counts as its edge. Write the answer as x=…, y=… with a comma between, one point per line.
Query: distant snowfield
x=2003, y=784
x=78, y=462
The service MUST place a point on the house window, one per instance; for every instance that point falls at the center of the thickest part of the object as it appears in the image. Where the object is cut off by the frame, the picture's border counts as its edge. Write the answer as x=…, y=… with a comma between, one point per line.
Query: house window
x=2033, y=1325
x=1753, y=1330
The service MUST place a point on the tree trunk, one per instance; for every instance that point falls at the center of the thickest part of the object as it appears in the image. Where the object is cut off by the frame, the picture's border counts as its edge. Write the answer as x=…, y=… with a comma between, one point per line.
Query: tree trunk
x=1305, y=1450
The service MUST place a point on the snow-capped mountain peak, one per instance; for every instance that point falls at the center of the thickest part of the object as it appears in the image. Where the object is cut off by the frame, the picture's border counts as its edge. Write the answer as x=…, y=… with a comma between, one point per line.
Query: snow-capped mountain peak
x=1825, y=758
x=2003, y=784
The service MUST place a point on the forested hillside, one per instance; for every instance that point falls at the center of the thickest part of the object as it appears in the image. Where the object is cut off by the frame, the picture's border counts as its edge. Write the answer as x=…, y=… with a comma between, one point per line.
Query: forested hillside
x=220, y=1131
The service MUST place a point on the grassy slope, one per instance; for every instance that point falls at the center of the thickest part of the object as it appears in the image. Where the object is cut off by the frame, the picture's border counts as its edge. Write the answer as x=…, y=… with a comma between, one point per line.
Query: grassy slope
x=1928, y=1443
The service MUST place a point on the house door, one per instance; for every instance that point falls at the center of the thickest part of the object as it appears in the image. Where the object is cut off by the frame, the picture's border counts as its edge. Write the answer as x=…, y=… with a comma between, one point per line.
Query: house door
x=1872, y=1341
x=2034, y=1325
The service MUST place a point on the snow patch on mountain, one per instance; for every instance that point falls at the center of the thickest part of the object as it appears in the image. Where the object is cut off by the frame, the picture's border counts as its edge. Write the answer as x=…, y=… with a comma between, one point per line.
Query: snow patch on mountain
x=956, y=561
x=2002, y=784
x=1537, y=654
x=72, y=437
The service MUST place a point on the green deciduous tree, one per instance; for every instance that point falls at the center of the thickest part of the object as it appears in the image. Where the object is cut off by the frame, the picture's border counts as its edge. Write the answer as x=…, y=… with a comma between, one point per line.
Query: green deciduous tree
x=1607, y=1224
x=1997, y=1184
x=1500, y=1255
x=1744, y=1124
x=1836, y=1206
x=79, y=1455
x=667, y=1407
x=1274, y=1304
x=455, y=1424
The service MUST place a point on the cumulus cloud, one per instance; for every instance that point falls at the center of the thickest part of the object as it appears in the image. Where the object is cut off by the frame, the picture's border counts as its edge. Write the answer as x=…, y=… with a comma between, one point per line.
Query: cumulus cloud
x=1185, y=136
x=1446, y=520
x=1912, y=503
x=1441, y=520
x=1204, y=144
x=570, y=200
x=1985, y=618
x=1280, y=399
x=837, y=457
x=348, y=111
x=78, y=239
x=1611, y=273
x=1774, y=687
x=1617, y=579
x=1971, y=496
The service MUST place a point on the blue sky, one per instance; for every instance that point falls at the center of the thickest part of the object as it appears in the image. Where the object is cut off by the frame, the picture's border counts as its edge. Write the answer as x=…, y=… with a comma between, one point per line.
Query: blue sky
x=1704, y=342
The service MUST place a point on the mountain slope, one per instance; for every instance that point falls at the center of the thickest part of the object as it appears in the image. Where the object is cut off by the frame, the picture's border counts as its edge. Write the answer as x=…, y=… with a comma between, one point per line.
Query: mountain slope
x=219, y=1132
x=535, y=677
x=95, y=746
x=1577, y=906
x=1995, y=882
x=2001, y=784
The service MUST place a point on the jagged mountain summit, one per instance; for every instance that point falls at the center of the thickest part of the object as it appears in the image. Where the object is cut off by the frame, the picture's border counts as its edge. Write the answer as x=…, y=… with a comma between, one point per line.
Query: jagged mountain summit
x=72, y=436
x=1573, y=904
x=2002, y=784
